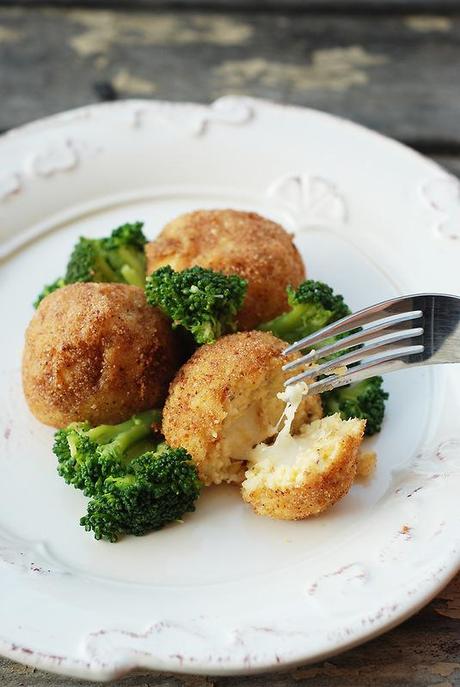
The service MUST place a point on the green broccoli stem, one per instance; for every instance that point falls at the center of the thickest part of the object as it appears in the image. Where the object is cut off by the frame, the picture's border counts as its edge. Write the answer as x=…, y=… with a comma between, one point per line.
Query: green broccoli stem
x=71, y=440
x=103, y=270
x=126, y=434
x=131, y=265
x=133, y=258
x=145, y=445
x=208, y=331
x=302, y=320
x=132, y=277
x=347, y=393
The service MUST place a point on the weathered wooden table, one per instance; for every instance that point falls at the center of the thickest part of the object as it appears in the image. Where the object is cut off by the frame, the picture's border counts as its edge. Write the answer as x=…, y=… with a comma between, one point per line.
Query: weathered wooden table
x=393, y=65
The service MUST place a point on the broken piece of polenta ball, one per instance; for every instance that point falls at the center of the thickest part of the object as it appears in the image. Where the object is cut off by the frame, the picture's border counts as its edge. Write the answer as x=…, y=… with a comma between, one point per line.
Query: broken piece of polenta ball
x=302, y=475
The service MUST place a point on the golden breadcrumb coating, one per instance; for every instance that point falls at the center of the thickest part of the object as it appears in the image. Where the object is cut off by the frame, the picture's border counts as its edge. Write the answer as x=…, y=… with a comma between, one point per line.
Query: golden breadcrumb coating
x=97, y=352
x=293, y=486
x=234, y=242
x=223, y=401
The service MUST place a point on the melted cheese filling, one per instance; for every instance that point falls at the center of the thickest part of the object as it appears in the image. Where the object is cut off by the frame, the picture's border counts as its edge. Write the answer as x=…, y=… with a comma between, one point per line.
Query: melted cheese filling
x=286, y=449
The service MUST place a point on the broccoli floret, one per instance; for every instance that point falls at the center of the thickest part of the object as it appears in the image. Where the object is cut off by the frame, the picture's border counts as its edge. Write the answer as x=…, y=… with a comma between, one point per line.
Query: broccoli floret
x=313, y=306
x=365, y=400
x=49, y=288
x=86, y=456
x=88, y=262
x=128, y=235
x=157, y=488
x=118, y=258
x=137, y=484
x=202, y=301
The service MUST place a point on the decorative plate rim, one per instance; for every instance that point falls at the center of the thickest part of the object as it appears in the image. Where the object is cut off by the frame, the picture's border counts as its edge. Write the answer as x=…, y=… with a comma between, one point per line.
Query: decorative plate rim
x=100, y=671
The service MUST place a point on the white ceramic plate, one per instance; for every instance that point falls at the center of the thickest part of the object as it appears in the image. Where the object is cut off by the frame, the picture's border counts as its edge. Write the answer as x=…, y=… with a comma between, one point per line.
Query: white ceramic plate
x=228, y=591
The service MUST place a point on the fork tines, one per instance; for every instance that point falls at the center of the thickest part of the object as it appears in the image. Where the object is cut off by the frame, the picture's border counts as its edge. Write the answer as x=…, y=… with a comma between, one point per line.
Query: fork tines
x=368, y=347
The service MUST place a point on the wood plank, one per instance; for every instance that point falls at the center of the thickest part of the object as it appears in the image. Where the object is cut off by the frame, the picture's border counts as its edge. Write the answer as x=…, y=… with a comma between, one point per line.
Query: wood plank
x=452, y=164
x=398, y=75
x=424, y=651
x=333, y=6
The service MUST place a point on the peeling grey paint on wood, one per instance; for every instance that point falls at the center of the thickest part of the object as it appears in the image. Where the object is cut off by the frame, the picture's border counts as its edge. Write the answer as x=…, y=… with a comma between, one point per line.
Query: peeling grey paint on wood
x=382, y=73
x=356, y=6
x=335, y=69
x=99, y=31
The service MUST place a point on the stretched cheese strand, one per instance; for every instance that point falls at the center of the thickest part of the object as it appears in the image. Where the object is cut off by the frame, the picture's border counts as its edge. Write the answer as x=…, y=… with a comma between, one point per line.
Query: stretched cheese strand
x=285, y=448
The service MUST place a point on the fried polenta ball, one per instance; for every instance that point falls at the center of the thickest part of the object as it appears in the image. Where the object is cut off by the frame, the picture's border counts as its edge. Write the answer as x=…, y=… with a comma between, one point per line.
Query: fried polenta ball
x=303, y=475
x=234, y=242
x=97, y=352
x=223, y=402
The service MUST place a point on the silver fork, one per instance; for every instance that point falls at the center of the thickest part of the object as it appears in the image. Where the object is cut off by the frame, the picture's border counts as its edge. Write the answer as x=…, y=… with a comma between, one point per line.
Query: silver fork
x=423, y=329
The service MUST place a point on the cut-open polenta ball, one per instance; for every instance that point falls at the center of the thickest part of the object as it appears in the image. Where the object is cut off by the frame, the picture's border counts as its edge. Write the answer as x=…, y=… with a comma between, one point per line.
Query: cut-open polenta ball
x=225, y=400
x=302, y=475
